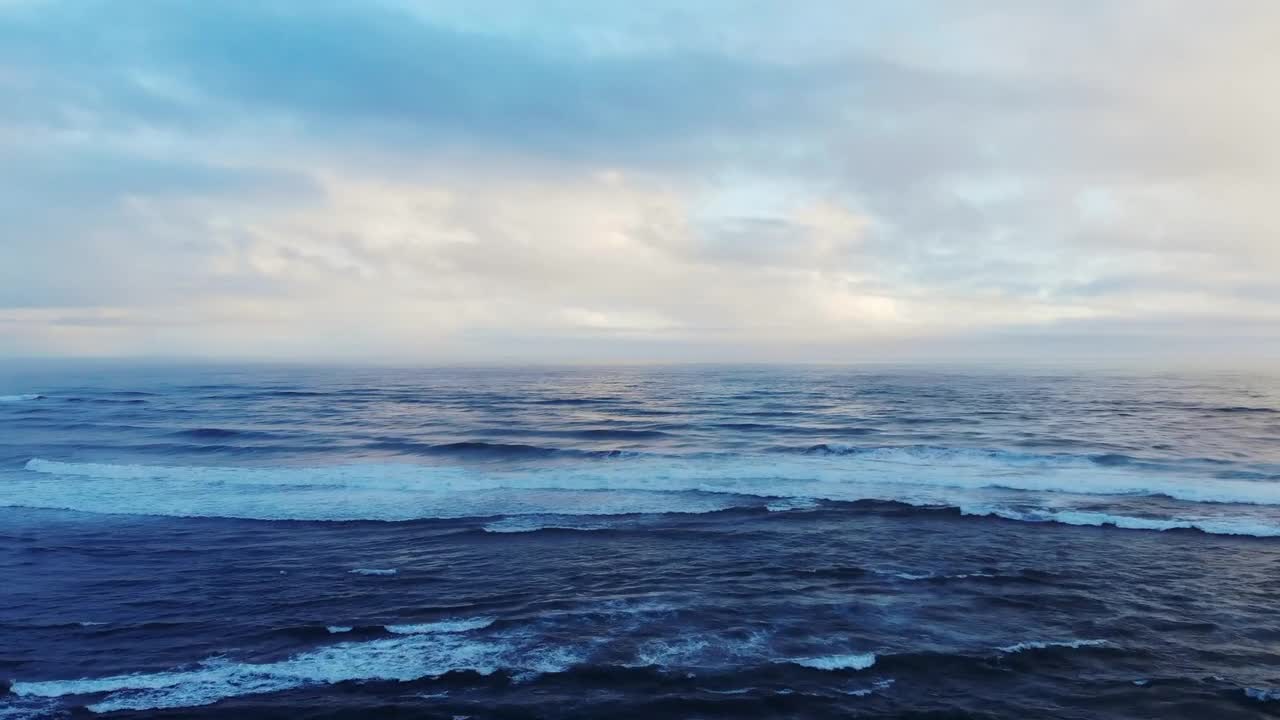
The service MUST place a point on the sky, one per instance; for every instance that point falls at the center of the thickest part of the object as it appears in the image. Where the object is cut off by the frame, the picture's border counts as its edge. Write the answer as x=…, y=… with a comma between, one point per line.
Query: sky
x=599, y=181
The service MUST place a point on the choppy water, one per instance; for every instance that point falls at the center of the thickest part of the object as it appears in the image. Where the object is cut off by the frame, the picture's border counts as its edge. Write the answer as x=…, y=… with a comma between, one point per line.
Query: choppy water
x=638, y=542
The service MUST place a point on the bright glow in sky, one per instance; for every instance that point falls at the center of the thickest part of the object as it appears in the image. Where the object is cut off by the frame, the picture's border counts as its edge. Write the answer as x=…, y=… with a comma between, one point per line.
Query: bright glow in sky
x=577, y=180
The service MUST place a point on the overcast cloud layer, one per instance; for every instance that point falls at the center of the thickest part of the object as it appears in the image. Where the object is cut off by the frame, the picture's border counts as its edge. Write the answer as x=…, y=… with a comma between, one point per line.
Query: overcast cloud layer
x=580, y=180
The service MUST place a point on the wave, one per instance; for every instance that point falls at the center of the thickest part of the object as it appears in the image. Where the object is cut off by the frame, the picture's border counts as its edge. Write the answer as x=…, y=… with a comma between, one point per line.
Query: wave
x=1046, y=644
x=433, y=649
x=1252, y=527
x=107, y=400
x=26, y=397
x=1245, y=409
x=796, y=503
x=525, y=524
x=469, y=448
x=860, y=661
x=572, y=401
x=918, y=454
x=942, y=577
x=617, y=434
x=381, y=572
x=838, y=431
x=457, y=625
x=1069, y=490
x=401, y=658
x=463, y=448
x=27, y=708
x=1263, y=694
x=211, y=433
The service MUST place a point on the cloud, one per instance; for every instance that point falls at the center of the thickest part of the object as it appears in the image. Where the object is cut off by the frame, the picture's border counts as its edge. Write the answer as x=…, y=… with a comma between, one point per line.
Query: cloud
x=567, y=180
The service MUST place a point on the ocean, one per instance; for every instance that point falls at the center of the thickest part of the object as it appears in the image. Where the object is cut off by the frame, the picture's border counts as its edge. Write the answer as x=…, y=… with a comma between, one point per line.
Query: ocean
x=637, y=542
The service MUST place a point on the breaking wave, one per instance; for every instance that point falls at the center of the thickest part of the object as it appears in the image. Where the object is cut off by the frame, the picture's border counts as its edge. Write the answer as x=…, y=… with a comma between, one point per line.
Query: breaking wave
x=1072, y=490
x=410, y=657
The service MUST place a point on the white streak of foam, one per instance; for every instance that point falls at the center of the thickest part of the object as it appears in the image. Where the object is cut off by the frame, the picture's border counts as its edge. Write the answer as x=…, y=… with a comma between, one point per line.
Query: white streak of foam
x=670, y=653
x=410, y=657
x=1214, y=526
x=336, y=629
x=1043, y=644
x=380, y=572
x=30, y=709
x=858, y=661
x=19, y=398
x=1263, y=694
x=442, y=626
x=969, y=481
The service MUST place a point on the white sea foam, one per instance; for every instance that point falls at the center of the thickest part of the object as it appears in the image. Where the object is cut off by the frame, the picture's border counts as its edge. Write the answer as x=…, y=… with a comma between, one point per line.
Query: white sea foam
x=683, y=652
x=932, y=576
x=857, y=661
x=707, y=650
x=337, y=629
x=1255, y=527
x=380, y=572
x=19, y=398
x=905, y=575
x=877, y=685
x=1263, y=694
x=1028, y=488
x=403, y=658
x=30, y=709
x=1043, y=644
x=455, y=625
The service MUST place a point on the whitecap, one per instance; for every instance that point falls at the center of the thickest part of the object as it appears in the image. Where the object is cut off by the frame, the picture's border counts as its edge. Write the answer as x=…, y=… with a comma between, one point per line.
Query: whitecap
x=905, y=575
x=30, y=709
x=387, y=572
x=1044, y=644
x=456, y=625
x=1263, y=694
x=705, y=650
x=857, y=661
x=670, y=653
x=1029, y=488
x=336, y=629
x=1213, y=526
x=20, y=398
x=402, y=658
x=932, y=576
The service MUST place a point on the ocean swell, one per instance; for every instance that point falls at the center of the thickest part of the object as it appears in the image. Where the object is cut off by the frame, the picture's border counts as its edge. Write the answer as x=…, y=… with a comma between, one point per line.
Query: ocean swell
x=1056, y=489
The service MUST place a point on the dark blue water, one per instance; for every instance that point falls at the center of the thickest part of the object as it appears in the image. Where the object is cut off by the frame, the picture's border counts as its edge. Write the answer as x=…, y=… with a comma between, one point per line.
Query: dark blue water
x=638, y=542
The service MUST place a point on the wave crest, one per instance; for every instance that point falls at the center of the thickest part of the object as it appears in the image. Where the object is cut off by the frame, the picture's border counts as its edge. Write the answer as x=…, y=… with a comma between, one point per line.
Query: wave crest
x=1017, y=487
